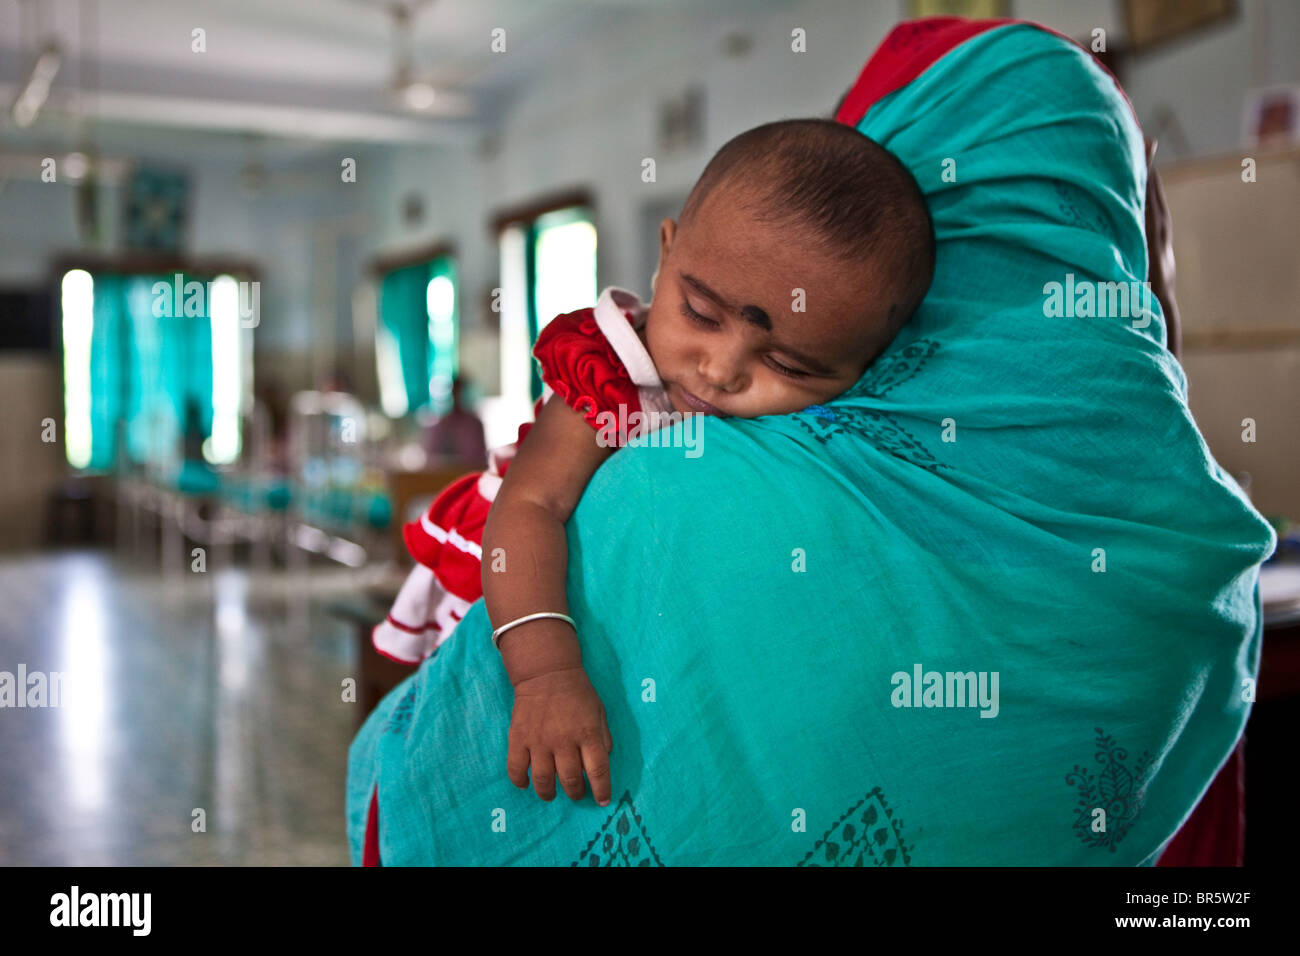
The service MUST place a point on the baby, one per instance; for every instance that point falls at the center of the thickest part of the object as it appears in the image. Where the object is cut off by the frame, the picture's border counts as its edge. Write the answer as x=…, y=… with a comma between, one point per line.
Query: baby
x=801, y=251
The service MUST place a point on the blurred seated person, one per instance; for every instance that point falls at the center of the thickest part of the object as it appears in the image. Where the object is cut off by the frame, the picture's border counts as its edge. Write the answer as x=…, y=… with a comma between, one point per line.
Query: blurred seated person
x=457, y=435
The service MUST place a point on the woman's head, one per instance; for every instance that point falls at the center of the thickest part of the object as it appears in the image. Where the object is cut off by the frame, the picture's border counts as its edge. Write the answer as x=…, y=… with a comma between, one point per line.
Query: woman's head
x=802, y=250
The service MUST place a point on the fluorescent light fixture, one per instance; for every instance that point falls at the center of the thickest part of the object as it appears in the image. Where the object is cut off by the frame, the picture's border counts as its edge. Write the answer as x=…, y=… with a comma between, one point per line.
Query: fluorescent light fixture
x=31, y=95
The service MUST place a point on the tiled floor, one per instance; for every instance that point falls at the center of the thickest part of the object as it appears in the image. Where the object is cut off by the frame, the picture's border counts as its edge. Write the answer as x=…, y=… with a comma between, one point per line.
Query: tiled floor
x=217, y=691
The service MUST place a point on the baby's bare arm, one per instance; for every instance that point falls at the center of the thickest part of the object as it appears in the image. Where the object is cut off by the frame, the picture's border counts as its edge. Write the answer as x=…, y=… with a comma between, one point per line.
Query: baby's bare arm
x=558, y=728
x=525, y=551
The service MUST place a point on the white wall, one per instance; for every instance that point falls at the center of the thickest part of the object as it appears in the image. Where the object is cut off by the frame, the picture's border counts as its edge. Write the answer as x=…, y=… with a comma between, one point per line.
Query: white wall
x=1204, y=79
x=37, y=221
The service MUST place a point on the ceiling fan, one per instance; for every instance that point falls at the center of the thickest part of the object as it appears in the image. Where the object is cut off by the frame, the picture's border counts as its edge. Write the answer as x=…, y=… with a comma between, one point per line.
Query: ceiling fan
x=411, y=89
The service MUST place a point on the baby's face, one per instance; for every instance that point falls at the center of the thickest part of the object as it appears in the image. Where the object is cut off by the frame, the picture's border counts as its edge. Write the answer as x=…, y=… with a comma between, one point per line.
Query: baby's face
x=723, y=329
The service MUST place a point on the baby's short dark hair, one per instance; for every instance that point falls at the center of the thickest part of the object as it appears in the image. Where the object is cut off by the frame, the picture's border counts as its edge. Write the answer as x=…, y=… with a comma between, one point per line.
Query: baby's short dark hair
x=854, y=197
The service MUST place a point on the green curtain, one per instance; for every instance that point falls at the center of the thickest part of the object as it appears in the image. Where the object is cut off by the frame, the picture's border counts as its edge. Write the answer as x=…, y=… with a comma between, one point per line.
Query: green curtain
x=107, y=372
x=187, y=366
x=153, y=426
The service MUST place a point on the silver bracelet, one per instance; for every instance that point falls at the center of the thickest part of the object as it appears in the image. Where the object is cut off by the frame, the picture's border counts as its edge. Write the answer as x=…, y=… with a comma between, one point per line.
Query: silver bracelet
x=496, y=635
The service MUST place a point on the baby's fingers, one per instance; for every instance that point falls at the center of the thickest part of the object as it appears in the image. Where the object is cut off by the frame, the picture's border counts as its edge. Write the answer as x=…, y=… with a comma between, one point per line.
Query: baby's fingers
x=544, y=774
x=517, y=760
x=595, y=758
x=568, y=767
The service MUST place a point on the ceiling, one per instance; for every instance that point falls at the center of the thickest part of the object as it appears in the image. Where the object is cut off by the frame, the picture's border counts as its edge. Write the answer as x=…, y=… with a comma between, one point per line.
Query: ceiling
x=294, y=76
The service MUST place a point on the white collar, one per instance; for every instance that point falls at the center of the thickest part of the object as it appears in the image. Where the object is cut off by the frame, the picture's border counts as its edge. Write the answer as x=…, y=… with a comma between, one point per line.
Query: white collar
x=613, y=310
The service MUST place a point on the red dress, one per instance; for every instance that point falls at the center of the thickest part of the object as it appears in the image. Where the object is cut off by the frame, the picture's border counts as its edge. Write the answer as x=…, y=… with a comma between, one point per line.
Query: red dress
x=595, y=361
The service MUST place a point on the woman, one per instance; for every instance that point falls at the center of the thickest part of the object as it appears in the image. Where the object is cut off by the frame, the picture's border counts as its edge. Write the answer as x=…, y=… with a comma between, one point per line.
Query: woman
x=994, y=606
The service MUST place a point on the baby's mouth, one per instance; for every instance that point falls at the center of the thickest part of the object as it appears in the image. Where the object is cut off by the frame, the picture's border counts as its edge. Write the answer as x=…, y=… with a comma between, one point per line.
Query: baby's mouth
x=694, y=403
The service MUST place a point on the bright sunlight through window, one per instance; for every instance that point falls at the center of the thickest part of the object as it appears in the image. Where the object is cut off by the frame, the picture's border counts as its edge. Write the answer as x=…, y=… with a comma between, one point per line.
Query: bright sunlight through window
x=440, y=301
x=566, y=268
x=222, y=446
x=78, y=326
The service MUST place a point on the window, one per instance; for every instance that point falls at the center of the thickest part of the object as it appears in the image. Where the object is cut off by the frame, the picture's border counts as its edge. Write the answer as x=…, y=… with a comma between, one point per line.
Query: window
x=152, y=360
x=78, y=293
x=416, y=339
x=548, y=268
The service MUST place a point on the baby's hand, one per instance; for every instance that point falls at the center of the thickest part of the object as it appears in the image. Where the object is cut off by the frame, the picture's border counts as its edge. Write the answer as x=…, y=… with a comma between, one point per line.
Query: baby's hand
x=558, y=727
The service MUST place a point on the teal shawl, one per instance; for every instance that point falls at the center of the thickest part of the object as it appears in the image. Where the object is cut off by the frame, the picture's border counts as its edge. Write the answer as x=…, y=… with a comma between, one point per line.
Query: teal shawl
x=995, y=605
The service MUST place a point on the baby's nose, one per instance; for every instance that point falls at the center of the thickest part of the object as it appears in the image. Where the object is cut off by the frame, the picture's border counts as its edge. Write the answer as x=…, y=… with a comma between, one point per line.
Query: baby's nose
x=723, y=375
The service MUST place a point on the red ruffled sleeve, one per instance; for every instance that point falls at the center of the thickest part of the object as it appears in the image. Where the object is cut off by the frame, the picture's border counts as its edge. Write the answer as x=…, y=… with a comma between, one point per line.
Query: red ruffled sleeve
x=580, y=365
